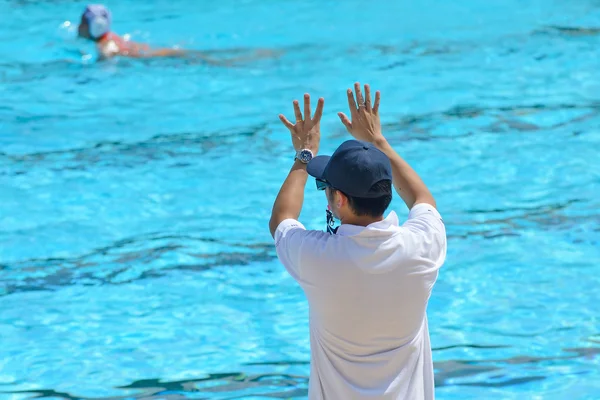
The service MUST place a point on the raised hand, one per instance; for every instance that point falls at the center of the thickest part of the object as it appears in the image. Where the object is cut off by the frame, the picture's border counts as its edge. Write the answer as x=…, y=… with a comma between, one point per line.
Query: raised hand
x=364, y=123
x=306, y=132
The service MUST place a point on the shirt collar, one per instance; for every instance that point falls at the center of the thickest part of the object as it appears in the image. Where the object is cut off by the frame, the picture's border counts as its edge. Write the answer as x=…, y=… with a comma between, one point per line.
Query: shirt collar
x=380, y=226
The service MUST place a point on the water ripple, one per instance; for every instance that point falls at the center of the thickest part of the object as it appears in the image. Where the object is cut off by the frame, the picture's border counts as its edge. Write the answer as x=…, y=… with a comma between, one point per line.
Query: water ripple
x=239, y=385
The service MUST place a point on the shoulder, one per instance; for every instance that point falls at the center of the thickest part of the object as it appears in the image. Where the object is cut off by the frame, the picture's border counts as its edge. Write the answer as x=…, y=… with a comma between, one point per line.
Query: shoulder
x=424, y=216
x=109, y=46
x=426, y=234
x=294, y=230
x=115, y=44
x=296, y=246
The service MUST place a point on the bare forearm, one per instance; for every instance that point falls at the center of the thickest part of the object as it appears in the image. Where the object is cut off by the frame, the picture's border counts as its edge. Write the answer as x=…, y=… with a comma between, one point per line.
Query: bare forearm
x=288, y=203
x=407, y=182
x=305, y=136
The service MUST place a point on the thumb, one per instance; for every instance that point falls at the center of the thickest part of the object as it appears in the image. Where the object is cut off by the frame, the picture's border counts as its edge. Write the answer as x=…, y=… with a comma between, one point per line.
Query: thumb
x=345, y=121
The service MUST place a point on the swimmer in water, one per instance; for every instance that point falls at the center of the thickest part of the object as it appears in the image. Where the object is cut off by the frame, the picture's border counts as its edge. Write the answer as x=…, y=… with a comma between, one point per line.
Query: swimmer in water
x=96, y=23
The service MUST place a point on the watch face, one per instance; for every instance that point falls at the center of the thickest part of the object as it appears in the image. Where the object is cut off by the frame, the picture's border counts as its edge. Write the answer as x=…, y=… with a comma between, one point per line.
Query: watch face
x=305, y=156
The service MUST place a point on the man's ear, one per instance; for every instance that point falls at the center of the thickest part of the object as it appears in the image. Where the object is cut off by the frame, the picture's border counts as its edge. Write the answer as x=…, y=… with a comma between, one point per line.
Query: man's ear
x=340, y=199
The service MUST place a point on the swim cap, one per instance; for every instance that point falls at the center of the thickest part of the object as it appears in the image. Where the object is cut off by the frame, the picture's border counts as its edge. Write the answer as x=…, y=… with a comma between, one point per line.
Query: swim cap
x=98, y=18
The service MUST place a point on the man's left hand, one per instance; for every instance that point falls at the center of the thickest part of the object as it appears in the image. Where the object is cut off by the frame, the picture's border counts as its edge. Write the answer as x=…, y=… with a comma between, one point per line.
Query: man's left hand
x=306, y=132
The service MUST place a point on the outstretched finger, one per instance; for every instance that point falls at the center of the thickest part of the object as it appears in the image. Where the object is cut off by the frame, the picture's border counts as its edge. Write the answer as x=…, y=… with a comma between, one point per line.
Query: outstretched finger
x=377, y=98
x=347, y=123
x=307, y=107
x=351, y=102
x=368, y=97
x=359, y=96
x=319, y=110
x=297, y=111
x=286, y=122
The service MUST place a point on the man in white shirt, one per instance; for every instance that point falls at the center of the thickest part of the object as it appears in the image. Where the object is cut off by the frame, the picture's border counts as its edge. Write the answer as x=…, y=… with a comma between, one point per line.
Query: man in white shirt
x=367, y=282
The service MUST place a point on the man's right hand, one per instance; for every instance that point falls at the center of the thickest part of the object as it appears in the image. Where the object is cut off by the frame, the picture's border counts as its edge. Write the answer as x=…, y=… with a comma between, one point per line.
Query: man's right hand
x=364, y=124
x=306, y=132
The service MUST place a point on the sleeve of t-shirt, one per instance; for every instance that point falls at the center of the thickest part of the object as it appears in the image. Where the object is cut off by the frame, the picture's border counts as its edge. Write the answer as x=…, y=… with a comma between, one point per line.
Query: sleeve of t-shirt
x=289, y=241
x=427, y=224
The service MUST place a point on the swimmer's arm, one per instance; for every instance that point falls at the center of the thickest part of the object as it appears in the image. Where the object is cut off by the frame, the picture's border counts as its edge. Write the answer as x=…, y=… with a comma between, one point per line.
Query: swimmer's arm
x=176, y=53
x=111, y=49
x=199, y=55
x=106, y=53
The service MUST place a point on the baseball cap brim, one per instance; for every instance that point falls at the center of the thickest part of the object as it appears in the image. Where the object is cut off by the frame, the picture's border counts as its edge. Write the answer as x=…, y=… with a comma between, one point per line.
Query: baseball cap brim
x=316, y=166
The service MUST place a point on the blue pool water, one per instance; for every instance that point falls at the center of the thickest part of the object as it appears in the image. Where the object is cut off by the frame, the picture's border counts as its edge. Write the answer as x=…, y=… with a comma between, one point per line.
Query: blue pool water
x=135, y=257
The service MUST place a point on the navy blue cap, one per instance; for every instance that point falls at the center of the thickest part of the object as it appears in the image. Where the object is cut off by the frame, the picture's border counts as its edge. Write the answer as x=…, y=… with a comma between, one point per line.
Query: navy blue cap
x=353, y=169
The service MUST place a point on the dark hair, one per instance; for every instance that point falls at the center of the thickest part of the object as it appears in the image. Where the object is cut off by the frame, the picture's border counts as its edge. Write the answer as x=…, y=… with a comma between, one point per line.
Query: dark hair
x=375, y=206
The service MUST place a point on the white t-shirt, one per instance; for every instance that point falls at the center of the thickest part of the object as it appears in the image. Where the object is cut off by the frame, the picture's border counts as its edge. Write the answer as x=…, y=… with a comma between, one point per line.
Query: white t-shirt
x=368, y=289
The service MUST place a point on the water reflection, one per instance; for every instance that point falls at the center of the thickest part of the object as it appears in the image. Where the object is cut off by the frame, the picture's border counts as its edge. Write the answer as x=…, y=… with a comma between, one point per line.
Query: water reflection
x=285, y=386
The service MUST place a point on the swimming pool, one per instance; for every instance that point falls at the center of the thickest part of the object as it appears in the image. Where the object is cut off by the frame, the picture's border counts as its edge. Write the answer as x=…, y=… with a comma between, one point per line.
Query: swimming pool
x=135, y=257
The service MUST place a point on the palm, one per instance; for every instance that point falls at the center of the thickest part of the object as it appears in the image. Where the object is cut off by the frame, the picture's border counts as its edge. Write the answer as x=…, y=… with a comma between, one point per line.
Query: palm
x=306, y=131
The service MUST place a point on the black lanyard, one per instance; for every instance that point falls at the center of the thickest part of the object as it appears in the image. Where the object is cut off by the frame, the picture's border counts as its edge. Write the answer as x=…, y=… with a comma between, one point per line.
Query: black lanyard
x=330, y=223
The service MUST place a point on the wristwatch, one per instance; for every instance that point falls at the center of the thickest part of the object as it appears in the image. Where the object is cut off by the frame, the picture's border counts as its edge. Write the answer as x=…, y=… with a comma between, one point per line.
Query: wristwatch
x=304, y=156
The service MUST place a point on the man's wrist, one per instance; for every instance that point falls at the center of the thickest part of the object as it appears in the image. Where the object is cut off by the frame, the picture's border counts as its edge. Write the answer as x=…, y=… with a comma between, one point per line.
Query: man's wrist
x=381, y=143
x=299, y=164
x=305, y=153
x=314, y=148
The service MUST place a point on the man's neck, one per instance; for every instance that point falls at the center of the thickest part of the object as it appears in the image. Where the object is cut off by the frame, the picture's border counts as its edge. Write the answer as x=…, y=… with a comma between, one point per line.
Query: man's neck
x=362, y=220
